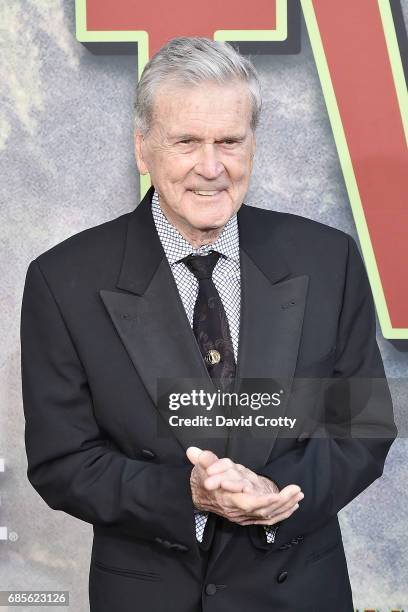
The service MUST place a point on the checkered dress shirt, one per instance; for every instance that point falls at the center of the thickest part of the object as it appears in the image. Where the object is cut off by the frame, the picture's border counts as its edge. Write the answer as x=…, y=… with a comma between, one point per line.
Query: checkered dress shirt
x=227, y=280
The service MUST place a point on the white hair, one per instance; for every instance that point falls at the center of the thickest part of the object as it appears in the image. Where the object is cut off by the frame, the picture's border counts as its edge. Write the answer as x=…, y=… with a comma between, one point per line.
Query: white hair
x=189, y=61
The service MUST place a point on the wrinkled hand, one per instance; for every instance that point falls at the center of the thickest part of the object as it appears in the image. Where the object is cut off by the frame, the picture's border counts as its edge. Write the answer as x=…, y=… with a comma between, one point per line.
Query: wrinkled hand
x=236, y=492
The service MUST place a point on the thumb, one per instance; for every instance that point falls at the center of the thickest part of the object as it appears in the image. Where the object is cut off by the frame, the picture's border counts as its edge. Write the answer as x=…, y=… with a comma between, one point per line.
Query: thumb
x=193, y=453
x=197, y=456
x=206, y=458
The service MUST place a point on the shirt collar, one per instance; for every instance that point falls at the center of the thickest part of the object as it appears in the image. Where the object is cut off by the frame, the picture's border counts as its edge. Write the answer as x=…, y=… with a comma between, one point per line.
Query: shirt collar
x=176, y=246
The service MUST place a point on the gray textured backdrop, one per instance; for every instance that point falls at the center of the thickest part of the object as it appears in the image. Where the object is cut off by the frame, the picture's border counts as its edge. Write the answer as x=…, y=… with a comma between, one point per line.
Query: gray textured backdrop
x=67, y=164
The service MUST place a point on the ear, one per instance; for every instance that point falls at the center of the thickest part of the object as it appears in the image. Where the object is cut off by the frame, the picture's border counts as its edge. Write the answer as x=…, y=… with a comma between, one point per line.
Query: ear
x=252, y=153
x=139, y=145
x=253, y=144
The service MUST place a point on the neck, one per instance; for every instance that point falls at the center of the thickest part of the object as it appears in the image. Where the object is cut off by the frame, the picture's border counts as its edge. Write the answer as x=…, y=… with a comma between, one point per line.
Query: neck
x=199, y=238
x=194, y=236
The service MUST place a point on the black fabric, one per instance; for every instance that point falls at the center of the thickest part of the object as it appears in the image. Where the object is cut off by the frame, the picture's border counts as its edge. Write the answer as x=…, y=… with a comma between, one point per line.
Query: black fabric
x=210, y=322
x=102, y=321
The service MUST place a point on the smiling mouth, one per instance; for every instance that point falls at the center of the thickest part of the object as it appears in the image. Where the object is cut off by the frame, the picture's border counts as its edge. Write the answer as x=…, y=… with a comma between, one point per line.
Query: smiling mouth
x=204, y=192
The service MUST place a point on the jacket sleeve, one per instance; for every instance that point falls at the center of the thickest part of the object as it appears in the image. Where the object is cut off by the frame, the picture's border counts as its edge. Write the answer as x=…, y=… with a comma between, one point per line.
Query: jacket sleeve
x=330, y=470
x=71, y=463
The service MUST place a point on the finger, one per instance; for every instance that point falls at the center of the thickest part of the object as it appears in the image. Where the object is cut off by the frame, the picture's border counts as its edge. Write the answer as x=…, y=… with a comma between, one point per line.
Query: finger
x=253, y=503
x=239, y=515
x=235, y=485
x=213, y=482
x=290, y=490
x=193, y=453
x=237, y=471
x=276, y=519
x=248, y=488
x=273, y=511
x=268, y=511
x=206, y=458
x=217, y=467
x=287, y=496
x=278, y=507
x=246, y=473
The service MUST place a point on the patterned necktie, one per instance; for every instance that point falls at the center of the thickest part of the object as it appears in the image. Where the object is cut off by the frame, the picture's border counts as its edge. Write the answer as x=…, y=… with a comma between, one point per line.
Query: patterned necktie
x=210, y=322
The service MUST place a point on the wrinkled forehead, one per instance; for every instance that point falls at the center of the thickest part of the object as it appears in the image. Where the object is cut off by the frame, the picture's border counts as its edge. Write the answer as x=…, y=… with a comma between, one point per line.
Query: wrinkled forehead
x=206, y=106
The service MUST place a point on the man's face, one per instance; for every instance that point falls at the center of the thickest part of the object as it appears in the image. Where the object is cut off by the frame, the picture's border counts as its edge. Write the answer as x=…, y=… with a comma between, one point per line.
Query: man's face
x=199, y=153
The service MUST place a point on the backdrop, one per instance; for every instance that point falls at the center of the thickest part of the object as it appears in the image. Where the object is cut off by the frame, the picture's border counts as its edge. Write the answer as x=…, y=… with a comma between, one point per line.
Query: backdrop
x=67, y=164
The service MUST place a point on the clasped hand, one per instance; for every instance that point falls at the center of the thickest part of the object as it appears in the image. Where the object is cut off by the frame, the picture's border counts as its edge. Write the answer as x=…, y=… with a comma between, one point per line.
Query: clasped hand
x=237, y=493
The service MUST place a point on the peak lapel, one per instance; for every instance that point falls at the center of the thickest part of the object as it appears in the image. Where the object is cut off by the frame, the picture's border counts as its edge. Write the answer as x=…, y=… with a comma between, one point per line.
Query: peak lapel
x=150, y=319
x=272, y=310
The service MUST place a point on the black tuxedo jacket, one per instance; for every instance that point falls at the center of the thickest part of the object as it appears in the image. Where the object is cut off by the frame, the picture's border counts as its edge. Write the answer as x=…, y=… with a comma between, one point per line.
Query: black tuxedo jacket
x=102, y=321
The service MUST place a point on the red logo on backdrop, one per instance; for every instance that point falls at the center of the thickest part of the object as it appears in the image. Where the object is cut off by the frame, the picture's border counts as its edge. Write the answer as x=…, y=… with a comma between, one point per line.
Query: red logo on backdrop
x=356, y=46
x=163, y=20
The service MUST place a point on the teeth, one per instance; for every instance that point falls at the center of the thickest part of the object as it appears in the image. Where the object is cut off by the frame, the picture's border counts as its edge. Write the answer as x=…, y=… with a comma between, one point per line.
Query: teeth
x=205, y=193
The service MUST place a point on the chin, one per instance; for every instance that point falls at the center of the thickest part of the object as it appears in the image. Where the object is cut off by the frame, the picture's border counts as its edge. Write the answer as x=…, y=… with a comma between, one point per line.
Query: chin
x=209, y=223
x=212, y=219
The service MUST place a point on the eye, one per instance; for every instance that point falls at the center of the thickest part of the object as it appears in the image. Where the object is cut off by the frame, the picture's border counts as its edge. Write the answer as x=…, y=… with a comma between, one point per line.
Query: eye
x=229, y=142
x=185, y=141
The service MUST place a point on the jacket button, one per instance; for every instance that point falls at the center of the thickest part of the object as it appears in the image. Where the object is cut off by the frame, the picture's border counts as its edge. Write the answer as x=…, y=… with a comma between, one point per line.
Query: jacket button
x=282, y=577
x=146, y=452
x=211, y=589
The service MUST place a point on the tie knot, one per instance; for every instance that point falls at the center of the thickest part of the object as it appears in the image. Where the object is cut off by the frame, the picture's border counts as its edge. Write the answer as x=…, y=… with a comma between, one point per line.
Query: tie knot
x=202, y=266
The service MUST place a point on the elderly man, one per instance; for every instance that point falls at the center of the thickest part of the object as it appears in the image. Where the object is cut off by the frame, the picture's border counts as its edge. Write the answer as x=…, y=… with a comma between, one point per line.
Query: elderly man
x=193, y=284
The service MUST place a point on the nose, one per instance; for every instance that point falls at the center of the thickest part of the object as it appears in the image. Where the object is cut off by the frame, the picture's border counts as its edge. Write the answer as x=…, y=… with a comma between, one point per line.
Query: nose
x=208, y=164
